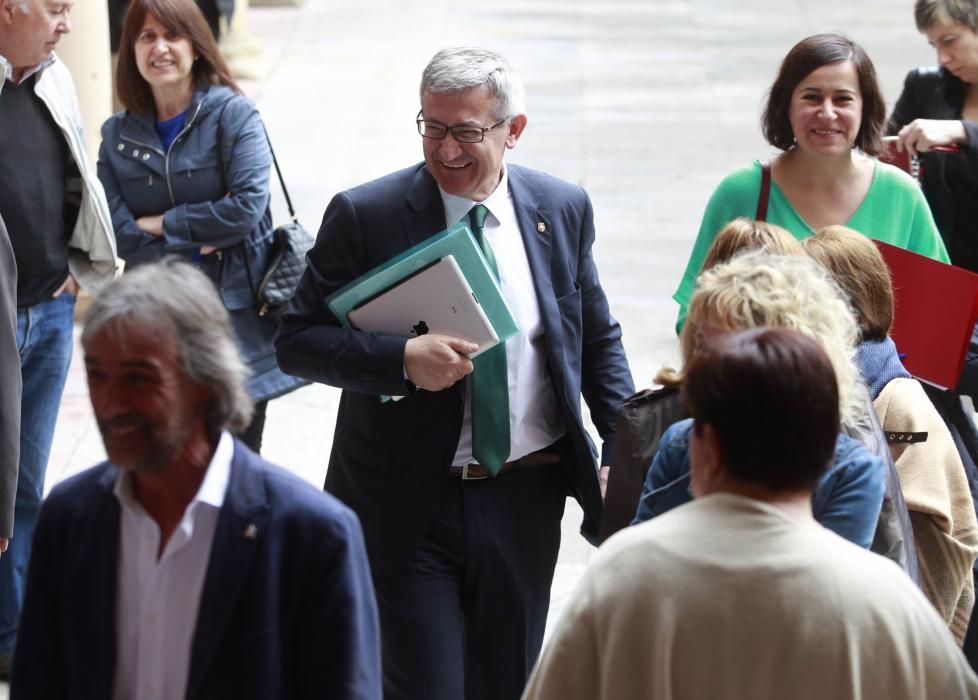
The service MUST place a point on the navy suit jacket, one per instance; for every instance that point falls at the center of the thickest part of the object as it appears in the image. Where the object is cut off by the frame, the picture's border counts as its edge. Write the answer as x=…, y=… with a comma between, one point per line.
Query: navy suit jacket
x=288, y=613
x=390, y=460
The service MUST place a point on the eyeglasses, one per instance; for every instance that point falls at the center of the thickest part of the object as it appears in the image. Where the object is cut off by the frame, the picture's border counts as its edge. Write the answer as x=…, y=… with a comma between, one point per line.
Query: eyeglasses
x=462, y=134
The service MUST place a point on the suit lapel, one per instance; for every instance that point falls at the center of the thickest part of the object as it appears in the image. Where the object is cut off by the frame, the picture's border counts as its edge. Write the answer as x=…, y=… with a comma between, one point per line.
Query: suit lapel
x=536, y=228
x=103, y=559
x=425, y=212
x=237, y=539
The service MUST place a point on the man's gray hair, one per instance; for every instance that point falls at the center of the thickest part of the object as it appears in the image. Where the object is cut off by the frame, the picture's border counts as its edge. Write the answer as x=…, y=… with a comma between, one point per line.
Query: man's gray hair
x=174, y=296
x=464, y=67
x=22, y=6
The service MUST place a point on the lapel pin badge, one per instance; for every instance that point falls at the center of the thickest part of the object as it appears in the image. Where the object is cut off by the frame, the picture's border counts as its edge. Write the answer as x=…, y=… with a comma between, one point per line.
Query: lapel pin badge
x=541, y=227
x=251, y=532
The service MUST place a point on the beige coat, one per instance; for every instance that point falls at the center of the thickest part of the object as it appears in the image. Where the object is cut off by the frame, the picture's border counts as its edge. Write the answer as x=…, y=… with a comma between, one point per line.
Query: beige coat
x=936, y=490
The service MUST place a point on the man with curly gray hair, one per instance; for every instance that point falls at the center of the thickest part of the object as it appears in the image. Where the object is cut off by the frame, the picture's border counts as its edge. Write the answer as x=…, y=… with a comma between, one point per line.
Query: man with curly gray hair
x=186, y=565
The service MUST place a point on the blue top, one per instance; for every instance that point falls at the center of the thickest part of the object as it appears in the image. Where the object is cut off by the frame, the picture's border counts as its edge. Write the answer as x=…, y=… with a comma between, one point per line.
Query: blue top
x=169, y=129
x=846, y=500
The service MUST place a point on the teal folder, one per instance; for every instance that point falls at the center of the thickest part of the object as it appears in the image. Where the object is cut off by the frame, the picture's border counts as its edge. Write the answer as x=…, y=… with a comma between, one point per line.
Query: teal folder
x=456, y=240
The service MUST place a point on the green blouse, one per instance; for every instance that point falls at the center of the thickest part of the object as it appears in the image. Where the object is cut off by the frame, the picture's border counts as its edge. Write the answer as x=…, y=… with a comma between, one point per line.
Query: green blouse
x=893, y=211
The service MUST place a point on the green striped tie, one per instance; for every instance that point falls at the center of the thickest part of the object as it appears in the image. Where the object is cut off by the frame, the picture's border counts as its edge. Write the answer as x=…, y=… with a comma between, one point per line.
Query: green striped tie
x=490, y=386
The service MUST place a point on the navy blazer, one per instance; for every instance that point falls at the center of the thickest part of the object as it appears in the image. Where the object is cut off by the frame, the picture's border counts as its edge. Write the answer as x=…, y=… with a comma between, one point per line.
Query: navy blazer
x=390, y=460
x=288, y=613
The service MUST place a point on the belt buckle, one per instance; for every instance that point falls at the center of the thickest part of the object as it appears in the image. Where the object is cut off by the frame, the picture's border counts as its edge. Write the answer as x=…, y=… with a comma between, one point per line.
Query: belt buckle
x=466, y=477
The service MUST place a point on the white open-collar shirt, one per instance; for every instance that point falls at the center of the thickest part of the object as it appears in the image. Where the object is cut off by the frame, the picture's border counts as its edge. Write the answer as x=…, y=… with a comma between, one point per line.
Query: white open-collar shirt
x=158, y=598
x=534, y=415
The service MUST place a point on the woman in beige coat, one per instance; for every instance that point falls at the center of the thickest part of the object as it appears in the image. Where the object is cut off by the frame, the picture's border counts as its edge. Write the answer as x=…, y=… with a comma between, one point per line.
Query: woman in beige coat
x=927, y=461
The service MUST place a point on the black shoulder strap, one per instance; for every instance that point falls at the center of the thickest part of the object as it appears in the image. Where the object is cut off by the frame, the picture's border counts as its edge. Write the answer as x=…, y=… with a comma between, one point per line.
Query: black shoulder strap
x=765, y=194
x=278, y=171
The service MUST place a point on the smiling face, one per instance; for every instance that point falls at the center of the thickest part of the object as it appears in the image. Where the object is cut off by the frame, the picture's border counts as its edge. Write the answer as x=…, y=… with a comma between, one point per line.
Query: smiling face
x=30, y=38
x=164, y=60
x=469, y=170
x=826, y=109
x=148, y=411
x=957, y=49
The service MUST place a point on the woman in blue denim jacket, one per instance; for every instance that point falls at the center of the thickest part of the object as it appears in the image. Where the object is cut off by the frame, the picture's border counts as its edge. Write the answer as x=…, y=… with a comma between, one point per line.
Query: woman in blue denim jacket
x=185, y=170
x=786, y=291
x=846, y=500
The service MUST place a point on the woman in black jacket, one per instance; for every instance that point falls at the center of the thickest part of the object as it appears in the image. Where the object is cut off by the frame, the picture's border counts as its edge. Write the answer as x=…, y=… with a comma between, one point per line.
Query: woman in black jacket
x=939, y=107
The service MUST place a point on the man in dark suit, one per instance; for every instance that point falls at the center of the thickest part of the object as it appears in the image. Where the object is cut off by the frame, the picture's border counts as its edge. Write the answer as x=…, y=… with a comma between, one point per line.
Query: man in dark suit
x=186, y=566
x=10, y=381
x=461, y=483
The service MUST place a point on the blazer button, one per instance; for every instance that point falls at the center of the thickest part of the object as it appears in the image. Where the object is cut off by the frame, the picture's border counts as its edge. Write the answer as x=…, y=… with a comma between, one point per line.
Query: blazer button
x=135, y=153
x=121, y=147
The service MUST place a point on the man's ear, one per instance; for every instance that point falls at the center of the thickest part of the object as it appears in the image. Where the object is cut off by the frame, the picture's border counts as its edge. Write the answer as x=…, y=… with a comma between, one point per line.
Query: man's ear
x=7, y=11
x=516, y=126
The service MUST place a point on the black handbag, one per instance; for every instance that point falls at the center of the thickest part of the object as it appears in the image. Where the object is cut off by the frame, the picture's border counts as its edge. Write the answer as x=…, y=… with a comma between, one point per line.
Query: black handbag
x=643, y=417
x=286, y=257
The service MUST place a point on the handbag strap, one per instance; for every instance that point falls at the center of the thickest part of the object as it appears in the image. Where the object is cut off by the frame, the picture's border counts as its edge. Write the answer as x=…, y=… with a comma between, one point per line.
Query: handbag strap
x=765, y=194
x=278, y=171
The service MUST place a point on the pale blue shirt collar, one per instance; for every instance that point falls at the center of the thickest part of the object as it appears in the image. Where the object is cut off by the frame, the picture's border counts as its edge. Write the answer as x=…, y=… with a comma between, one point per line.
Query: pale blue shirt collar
x=212, y=489
x=457, y=208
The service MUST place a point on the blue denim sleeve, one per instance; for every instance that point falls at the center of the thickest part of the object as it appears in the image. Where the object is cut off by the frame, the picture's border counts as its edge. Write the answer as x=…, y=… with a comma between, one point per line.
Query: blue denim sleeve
x=667, y=481
x=847, y=500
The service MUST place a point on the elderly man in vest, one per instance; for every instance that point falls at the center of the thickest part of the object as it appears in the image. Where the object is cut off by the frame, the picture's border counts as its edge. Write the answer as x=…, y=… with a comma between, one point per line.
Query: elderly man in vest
x=59, y=226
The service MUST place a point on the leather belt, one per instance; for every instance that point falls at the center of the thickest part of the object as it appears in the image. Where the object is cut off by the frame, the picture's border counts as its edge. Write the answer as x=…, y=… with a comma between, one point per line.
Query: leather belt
x=469, y=472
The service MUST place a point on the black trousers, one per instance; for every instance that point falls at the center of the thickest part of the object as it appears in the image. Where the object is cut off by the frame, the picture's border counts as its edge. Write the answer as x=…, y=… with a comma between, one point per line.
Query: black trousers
x=251, y=436
x=466, y=617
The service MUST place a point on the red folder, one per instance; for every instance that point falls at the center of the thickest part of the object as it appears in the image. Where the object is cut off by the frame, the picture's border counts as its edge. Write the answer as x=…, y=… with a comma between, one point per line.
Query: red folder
x=935, y=309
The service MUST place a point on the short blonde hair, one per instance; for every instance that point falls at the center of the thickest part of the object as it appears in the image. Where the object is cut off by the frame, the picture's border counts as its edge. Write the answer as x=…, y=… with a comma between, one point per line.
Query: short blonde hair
x=739, y=235
x=757, y=289
x=747, y=234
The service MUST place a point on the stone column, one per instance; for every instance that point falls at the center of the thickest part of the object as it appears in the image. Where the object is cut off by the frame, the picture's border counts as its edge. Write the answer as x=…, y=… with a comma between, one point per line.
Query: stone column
x=85, y=51
x=243, y=51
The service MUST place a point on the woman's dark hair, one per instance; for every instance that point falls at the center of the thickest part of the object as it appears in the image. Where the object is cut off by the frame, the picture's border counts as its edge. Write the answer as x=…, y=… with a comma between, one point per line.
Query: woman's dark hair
x=771, y=396
x=809, y=55
x=184, y=19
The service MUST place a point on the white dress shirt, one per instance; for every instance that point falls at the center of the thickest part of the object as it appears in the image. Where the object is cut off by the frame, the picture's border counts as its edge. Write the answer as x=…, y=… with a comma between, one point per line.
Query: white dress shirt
x=535, y=419
x=158, y=599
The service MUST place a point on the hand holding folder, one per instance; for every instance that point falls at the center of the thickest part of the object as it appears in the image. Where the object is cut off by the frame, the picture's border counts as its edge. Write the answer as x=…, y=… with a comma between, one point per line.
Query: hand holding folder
x=437, y=299
x=406, y=279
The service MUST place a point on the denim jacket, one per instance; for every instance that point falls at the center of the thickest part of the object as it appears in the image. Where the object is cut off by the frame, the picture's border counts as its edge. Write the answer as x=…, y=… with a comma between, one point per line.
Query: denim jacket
x=846, y=500
x=211, y=186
